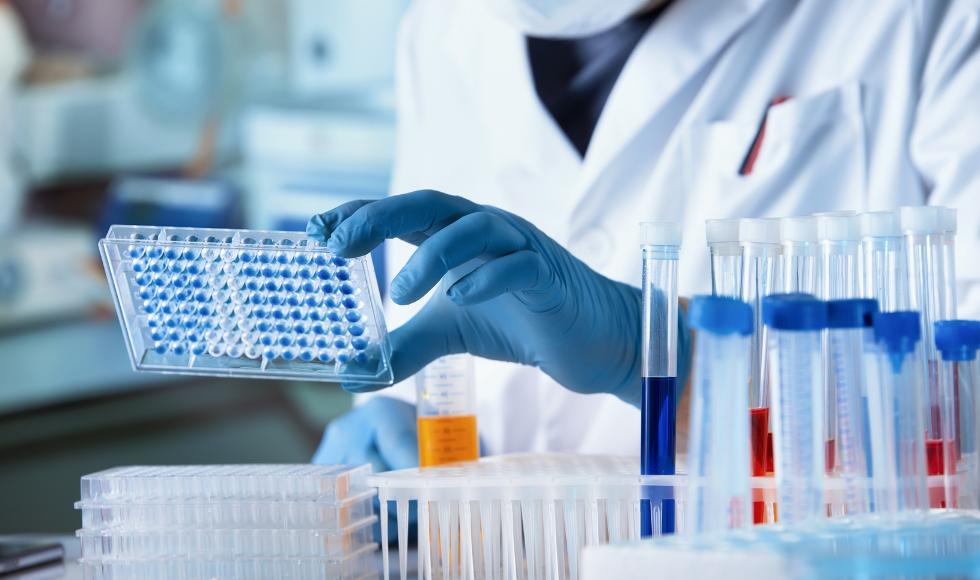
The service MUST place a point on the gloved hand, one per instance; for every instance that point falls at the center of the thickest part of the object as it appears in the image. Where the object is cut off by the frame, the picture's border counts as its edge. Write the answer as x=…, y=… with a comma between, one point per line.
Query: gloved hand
x=382, y=432
x=528, y=300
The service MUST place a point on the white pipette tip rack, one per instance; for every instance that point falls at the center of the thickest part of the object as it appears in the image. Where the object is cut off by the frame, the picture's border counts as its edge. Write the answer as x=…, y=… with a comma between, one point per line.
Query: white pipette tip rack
x=246, y=303
x=228, y=521
x=520, y=516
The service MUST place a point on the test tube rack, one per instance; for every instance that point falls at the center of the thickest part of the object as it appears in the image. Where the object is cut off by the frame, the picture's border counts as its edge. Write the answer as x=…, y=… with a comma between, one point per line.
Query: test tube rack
x=524, y=515
x=934, y=545
x=245, y=303
x=228, y=521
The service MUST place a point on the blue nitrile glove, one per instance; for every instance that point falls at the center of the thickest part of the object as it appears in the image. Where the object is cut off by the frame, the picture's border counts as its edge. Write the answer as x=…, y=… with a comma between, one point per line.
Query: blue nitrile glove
x=383, y=432
x=528, y=300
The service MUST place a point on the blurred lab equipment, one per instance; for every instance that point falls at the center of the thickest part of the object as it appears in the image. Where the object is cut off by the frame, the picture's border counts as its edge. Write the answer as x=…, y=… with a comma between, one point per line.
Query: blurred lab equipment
x=342, y=45
x=46, y=274
x=98, y=27
x=187, y=203
x=718, y=471
x=883, y=262
x=245, y=303
x=796, y=323
x=13, y=59
x=299, y=160
x=726, y=257
x=661, y=244
x=446, y=407
x=896, y=416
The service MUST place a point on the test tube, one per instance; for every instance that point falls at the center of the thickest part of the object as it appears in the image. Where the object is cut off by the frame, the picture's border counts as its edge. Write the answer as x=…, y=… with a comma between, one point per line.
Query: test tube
x=851, y=331
x=726, y=257
x=796, y=324
x=896, y=417
x=949, y=262
x=718, y=475
x=840, y=239
x=446, y=407
x=957, y=342
x=661, y=244
x=798, y=236
x=883, y=252
x=924, y=230
x=760, y=256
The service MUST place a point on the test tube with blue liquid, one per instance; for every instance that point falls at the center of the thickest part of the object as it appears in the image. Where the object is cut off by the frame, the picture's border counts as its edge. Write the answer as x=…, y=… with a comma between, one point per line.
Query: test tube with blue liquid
x=959, y=374
x=726, y=257
x=718, y=474
x=924, y=231
x=851, y=336
x=661, y=244
x=796, y=324
x=839, y=235
x=896, y=416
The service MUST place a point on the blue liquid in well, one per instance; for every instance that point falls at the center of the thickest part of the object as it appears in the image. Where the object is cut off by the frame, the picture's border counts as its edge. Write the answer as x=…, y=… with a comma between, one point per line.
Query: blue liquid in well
x=658, y=416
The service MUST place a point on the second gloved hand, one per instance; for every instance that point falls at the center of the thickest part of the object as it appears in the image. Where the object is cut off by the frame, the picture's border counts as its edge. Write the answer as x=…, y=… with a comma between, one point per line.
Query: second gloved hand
x=528, y=300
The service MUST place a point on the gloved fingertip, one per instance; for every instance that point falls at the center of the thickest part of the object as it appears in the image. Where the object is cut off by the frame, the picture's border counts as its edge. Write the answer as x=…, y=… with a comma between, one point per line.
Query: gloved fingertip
x=316, y=228
x=398, y=291
x=459, y=293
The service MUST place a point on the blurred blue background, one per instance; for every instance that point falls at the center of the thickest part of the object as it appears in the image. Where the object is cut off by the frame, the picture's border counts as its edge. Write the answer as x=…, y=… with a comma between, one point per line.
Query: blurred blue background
x=207, y=113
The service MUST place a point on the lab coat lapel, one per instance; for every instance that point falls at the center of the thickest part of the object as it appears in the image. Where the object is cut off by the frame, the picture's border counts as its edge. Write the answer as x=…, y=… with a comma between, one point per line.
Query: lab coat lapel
x=686, y=37
x=531, y=158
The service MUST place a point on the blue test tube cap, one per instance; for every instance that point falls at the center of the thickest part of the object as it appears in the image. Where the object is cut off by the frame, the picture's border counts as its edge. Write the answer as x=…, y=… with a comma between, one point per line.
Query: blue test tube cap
x=851, y=313
x=958, y=340
x=801, y=312
x=899, y=331
x=720, y=315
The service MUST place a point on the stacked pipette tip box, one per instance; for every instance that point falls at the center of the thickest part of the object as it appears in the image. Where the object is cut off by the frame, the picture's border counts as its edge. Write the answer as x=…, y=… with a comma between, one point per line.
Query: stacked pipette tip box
x=228, y=521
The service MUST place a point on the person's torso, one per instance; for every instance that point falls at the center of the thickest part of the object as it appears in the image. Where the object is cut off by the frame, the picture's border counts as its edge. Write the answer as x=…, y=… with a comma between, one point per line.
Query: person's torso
x=668, y=146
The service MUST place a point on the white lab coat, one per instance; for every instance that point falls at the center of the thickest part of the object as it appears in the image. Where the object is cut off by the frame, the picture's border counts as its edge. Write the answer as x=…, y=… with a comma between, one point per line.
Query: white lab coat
x=885, y=111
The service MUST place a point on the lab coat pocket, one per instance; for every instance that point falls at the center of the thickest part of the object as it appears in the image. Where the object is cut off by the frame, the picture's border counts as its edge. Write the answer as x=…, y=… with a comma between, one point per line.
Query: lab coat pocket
x=812, y=159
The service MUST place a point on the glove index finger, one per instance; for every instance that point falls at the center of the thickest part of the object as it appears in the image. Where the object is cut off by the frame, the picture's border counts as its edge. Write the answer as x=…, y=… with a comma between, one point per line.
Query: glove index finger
x=322, y=225
x=411, y=216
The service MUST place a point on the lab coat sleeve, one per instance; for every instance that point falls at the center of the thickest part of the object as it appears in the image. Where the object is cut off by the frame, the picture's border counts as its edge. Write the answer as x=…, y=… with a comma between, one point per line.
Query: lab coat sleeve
x=945, y=138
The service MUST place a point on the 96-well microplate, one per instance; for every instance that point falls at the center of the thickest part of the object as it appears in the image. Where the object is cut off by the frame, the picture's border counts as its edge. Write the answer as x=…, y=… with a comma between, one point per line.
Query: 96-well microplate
x=246, y=303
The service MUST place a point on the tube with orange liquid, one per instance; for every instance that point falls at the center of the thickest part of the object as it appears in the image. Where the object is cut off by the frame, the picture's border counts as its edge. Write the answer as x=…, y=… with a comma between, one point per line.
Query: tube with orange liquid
x=447, y=411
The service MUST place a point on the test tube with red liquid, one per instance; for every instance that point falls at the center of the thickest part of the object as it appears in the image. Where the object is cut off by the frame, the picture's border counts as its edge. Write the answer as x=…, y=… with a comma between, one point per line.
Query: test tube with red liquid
x=956, y=459
x=924, y=231
x=759, y=239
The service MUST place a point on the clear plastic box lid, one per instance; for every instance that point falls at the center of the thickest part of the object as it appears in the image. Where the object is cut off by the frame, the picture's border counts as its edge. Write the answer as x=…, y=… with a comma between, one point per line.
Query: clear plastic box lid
x=218, y=544
x=245, y=303
x=358, y=566
x=326, y=517
x=189, y=484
